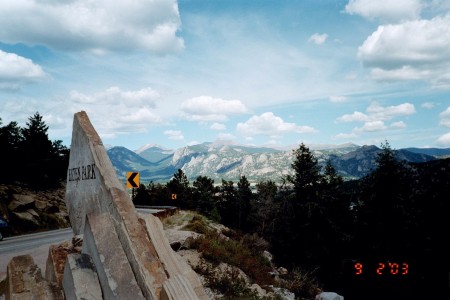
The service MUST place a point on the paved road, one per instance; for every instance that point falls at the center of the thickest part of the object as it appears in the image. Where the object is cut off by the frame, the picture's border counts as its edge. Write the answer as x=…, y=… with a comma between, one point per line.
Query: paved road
x=35, y=244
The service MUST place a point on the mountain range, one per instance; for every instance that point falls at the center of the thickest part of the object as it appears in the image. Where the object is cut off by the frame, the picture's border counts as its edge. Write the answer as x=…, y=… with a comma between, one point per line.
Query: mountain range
x=230, y=161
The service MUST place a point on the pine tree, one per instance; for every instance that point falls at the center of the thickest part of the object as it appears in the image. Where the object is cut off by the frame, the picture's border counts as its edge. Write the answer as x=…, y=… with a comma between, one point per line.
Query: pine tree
x=36, y=144
x=10, y=160
x=226, y=203
x=179, y=185
x=383, y=213
x=244, y=197
x=264, y=208
x=204, y=193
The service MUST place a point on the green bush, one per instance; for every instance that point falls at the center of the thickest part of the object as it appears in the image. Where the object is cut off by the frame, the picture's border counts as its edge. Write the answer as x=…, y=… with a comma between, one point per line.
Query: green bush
x=216, y=249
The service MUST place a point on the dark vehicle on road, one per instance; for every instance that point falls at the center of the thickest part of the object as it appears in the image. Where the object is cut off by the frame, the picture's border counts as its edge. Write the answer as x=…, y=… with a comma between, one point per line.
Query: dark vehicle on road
x=3, y=226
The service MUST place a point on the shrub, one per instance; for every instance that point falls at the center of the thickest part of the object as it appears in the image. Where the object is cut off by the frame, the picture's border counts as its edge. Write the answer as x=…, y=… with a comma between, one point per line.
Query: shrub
x=302, y=283
x=198, y=224
x=217, y=249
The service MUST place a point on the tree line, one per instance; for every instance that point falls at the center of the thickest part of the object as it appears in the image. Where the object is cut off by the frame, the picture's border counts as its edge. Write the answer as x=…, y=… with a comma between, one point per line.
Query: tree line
x=316, y=221
x=29, y=156
x=313, y=219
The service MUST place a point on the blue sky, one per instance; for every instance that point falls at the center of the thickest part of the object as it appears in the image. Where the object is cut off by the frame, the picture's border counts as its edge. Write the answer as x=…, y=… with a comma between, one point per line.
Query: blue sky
x=252, y=72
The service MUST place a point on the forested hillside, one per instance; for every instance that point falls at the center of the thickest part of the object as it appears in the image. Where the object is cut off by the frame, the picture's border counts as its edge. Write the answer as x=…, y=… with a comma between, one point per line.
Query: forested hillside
x=379, y=237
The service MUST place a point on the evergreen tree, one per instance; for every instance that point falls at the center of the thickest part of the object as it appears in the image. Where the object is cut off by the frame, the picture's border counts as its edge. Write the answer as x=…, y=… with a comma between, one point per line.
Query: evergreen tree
x=141, y=196
x=306, y=174
x=179, y=185
x=226, y=203
x=36, y=145
x=384, y=217
x=10, y=140
x=158, y=194
x=204, y=193
x=244, y=197
x=312, y=225
x=264, y=208
x=30, y=156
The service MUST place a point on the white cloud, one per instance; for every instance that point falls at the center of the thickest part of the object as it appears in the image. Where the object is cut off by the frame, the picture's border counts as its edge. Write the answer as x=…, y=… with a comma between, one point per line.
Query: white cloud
x=413, y=50
x=371, y=126
x=428, y=105
x=93, y=25
x=225, y=137
x=114, y=95
x=398, y=125
x=115, y=111
x=206, y=108
x=355, y=116
x=385, y=10
x=318, y=39
x=218, y=126
x=338, y=99
x=375, y=117
x=346, y=135
x=377, y=111
x=174, y=134
x=444, y=140
x=268, y=124
x=16, y=70
x=445, y=117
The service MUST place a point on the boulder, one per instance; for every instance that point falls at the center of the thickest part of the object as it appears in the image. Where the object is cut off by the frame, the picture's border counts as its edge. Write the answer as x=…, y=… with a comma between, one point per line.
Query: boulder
x=28, y=216
x=80, y=278
x=21, y=202
x=329, y=296
x=57, y=256
x=101, y=242
x=25, y=281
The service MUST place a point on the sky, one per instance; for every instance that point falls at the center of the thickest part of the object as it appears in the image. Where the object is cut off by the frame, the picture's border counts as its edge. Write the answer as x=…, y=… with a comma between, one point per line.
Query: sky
x=253, y=72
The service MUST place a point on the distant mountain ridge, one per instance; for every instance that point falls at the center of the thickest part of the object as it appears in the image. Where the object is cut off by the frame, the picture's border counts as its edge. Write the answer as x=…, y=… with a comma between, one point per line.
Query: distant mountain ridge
x=230, y=161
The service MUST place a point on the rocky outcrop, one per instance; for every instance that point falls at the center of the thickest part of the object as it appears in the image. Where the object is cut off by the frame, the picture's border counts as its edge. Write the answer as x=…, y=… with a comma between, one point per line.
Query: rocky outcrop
x=27, y=209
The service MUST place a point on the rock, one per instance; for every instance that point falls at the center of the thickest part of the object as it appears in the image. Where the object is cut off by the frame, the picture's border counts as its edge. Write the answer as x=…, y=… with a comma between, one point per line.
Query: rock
x=94, y=188
x=27, y=209
x=260, y=291
x=180, y=239
x=80, y=278
x=25, y=281
x=28, y=216
x=21, y=202
x=178, y=288
x=268, y=255
x=192, y=257
x=174, y=266
x=57, y=256
x=284, y=294
x=282, y=271
x=329, y=296
x=101, y=242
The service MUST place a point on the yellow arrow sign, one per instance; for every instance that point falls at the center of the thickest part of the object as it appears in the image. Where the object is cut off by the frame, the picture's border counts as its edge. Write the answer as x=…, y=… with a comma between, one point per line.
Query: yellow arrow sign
x=132, y=179
x=174, y=196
